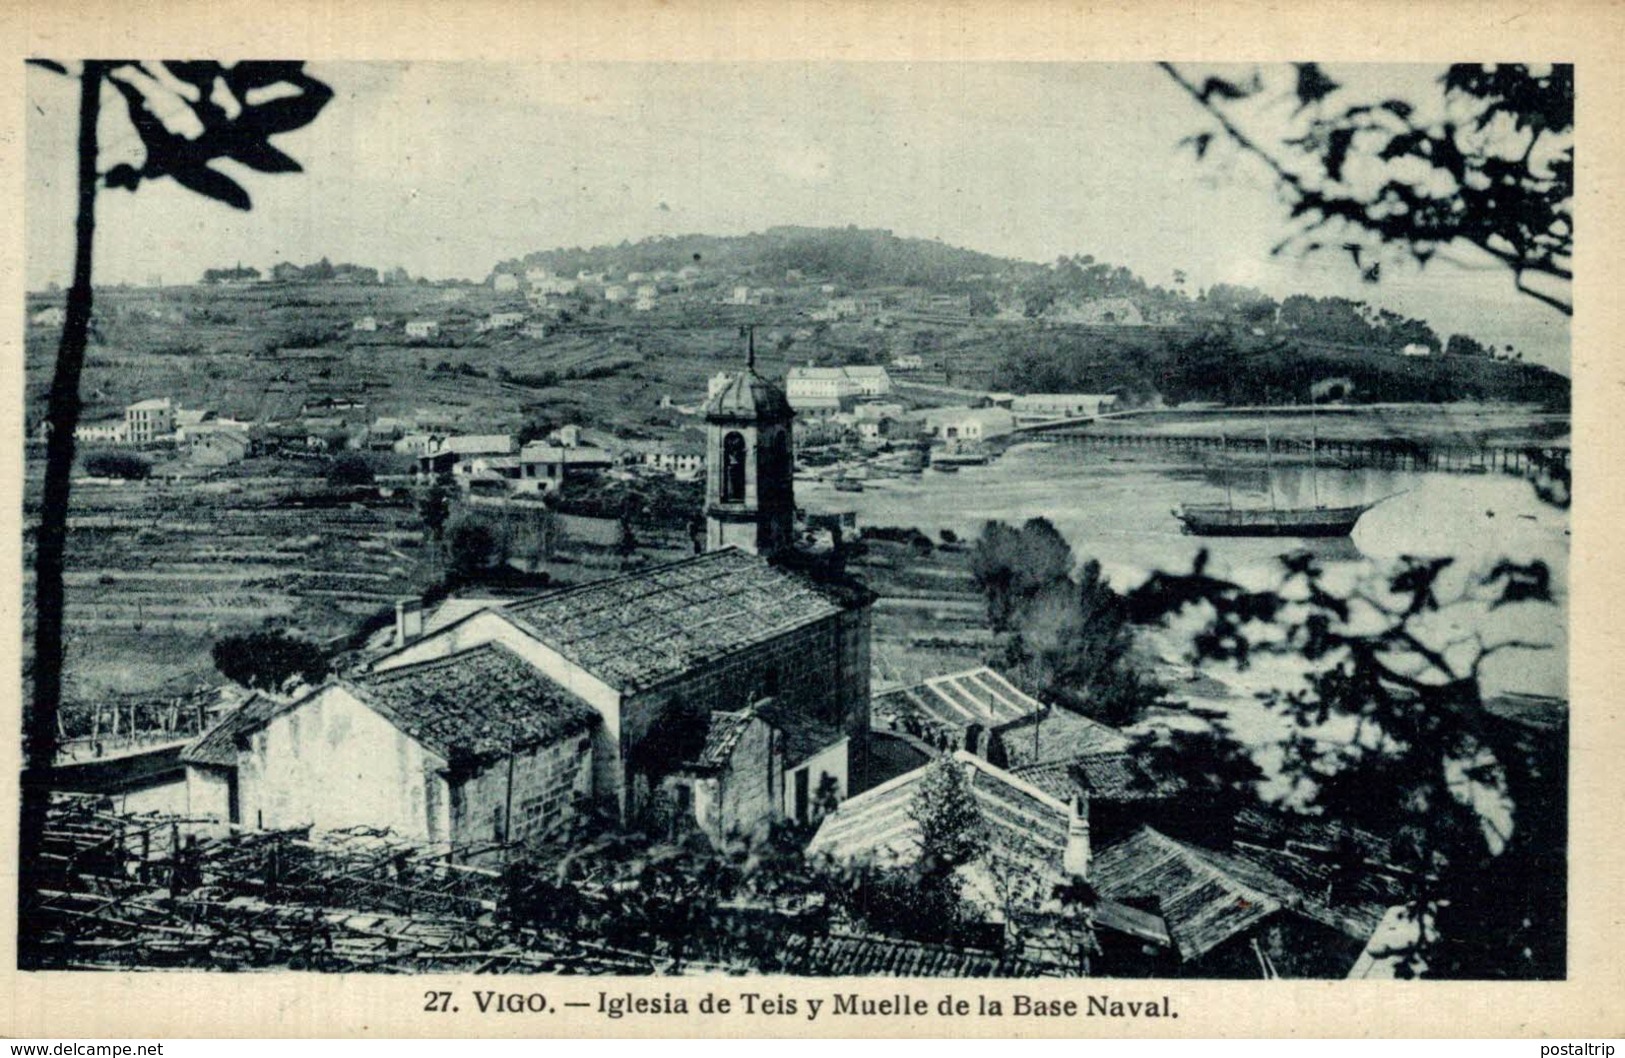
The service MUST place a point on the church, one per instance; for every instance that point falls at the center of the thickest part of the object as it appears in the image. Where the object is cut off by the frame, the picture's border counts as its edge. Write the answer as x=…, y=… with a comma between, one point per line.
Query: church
x=727, y=689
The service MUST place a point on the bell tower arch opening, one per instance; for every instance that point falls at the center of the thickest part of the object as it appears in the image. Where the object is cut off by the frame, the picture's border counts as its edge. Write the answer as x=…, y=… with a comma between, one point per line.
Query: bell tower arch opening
x=749, y=491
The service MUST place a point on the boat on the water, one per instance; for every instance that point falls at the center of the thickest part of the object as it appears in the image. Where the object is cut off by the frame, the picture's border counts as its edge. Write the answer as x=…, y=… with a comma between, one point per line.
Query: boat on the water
x=848, y=485
x=1226, y=519
x=1221, y=520
x=945, y=468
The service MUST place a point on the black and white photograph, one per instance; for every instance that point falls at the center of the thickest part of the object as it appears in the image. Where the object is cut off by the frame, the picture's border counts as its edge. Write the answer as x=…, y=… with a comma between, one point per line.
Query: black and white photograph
x=999, y=519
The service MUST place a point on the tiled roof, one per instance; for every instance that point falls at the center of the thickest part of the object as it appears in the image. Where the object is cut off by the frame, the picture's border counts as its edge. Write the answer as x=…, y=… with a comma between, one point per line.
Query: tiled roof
x=1059, y=735
x=721, y=736
x=862, y=955
x=218, y=745
x=1026, y=825
x=475, y=704
x=639, y=629
x=1109, y=777
x=957, y=700
x=479, y=444
x=804, y=734
x=1205, y=897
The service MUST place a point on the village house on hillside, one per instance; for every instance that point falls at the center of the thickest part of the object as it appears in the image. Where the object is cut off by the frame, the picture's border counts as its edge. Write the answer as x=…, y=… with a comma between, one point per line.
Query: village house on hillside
x=149, y=421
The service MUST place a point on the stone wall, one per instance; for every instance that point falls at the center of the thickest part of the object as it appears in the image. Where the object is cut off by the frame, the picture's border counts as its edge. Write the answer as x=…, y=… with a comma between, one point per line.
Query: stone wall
x=752, y=780
x=805, y=669
x=331, y=762
x=548, y=782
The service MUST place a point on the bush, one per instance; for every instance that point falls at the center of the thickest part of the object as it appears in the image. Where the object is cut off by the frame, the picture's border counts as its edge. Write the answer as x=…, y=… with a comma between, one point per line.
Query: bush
x=118, y=465
x=474, y=545
x=349, y=470
x=266, y=661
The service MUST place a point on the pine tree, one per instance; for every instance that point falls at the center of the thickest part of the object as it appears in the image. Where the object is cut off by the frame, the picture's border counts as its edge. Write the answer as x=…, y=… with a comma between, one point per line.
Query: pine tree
x=952, y=830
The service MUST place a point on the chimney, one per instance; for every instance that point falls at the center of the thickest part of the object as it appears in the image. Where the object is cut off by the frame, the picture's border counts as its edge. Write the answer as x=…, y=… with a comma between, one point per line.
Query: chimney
x=1075, y=860
x=408, y=621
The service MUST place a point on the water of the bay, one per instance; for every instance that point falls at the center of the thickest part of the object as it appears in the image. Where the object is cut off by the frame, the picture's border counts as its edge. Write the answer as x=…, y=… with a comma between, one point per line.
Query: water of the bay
x=1114, y=505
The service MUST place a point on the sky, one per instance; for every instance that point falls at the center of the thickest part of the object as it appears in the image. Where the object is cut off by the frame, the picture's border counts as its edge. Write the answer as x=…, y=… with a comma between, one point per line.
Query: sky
x=447, y=168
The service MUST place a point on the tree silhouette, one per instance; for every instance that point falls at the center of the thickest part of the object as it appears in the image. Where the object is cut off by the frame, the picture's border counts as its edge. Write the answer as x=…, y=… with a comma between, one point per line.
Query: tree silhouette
x=187, y=115
x=1487, y=163
x=1392, y=733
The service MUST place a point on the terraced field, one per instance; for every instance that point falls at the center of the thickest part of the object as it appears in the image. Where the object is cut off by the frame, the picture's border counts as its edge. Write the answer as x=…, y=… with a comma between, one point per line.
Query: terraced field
x=158, y=571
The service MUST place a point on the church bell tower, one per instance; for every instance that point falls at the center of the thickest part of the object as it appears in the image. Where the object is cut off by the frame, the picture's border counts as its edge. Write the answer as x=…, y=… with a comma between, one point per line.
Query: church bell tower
x=749, y=496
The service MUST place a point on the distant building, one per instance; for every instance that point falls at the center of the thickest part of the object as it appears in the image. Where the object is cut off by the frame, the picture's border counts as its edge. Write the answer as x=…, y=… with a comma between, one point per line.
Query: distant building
x=645, y=298
x=221, y=448
x=908, y=362
x=547, y=467
x=149, y=421
x=500, y=321
x=1116, y=312
x=822, y=390
x=968, y=424
x=366, y=323
x=741, y=296
x=55, y=316
x=421, y=329
x=846, y=308
x=496, y=444
x=682, y=457
x=505, y=282
x=417, y=444
x=1416, y=349
x=1053, y=407
x=615, y=293
x=108, y=431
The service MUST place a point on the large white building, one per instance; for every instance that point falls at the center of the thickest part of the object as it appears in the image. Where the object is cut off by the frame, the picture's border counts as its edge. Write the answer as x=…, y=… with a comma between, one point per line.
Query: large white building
x=148, y=421
x=1053, y=407
x=818, y=387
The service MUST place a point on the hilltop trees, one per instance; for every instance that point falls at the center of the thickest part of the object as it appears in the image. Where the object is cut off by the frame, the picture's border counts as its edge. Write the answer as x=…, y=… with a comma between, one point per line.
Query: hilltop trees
x=179, y=113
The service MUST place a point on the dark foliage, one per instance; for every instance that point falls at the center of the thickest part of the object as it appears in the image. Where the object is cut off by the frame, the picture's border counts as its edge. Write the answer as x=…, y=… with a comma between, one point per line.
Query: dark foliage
x=1066, y=635
x=1488, y=162
x=1391, y=732
x=349, y=470
x=266, y=661
x=117, y=465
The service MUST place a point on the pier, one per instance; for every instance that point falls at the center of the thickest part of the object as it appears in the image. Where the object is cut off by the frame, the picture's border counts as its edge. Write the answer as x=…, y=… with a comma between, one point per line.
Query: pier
x=1384, y=454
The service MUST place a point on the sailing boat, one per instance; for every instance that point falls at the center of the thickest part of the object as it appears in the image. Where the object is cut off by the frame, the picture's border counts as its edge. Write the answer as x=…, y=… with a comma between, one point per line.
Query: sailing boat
x=1274, y=520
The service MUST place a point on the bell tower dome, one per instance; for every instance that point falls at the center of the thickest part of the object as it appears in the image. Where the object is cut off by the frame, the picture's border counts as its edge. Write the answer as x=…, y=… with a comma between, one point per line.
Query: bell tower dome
x=749, y=495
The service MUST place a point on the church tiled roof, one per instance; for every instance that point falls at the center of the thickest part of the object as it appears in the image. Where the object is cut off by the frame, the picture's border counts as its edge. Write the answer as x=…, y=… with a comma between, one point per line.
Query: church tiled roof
x=636, y=630
x=475, y=704
x=1059, y=735
x=1107, y=777
x=218, y=745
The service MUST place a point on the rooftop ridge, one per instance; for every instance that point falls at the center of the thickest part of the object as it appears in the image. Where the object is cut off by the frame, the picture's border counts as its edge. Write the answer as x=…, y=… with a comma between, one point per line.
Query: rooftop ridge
x=427, y=664
x=519, y=605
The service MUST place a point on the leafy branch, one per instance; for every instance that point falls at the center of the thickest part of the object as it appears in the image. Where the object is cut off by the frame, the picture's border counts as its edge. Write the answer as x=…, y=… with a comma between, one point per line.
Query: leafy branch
x=1495, y=170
